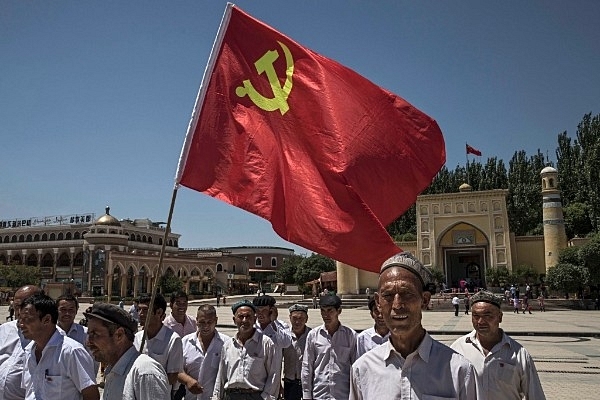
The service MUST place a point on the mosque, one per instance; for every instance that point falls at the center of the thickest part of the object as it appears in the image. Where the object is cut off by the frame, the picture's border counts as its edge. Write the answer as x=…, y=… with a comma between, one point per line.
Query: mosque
x=465, y=233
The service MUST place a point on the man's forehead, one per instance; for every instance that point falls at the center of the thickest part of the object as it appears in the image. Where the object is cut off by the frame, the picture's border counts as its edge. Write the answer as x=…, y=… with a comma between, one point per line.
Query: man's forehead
x=482, y=307
x=398, y=275
x=65, y=302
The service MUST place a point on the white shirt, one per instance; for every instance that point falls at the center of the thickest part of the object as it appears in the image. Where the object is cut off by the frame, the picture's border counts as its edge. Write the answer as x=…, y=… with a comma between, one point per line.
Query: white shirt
x=278, y=332
x=368, y=340
x=200, y=365
x=12, y=357
x=433, y=371
x=506, y=372
x=253, y=365
x=188, y=327
x=293, y=356
x=326, y=364
x=136, y=376
x=165, y=348
x=76, y=332
x=63, y=371
x=455, y=301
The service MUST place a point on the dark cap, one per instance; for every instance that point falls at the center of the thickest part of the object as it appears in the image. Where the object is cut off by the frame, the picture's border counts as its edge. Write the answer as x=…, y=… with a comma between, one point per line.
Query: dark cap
x=243, y=303
x=298, y=307
x=113, y=314
x=266, y=300
x=409, y=262
x=330, y=300
x=486, y=297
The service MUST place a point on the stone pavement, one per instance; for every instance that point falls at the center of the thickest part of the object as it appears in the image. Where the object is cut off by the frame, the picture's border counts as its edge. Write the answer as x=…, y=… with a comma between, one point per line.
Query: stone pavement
x=565, y=345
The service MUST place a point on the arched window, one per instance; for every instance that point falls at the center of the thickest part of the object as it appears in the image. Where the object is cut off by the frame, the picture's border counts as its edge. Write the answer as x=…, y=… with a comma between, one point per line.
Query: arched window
x=13, y=239
x=36, y=238
x=44, y=237
x=76, y=236
x=68, y=236
x=274, y=262
x=144, y=239
x=29, y=238
x=21, y=238
x=258, y=261
x=150, y=239
x=52, y=236
x=60, y=236
x=219, y=267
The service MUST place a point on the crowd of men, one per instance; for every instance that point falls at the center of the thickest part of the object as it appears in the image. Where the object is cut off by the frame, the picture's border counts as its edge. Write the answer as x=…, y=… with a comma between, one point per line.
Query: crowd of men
x=44, y=354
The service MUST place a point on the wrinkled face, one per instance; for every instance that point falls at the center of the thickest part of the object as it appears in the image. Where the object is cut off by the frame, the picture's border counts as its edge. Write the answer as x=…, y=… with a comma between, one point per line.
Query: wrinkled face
x=67, y=310
x=206, y=324
x=486, y=319
x=30, y=322
x=100, y=341
x=378, y=318
x=263, y=314
x=179, y=307
x=330, y=315
x=298, y=320
x=400, y=299
x=244, y=318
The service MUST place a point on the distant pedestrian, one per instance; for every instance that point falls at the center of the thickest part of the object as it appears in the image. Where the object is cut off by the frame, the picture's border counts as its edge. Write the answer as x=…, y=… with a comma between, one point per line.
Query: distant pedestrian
x=526, y=306
x=315, y=302
x=122, y=304
x=466, y=300
x=515, y=305
x=455, y=303
x=541, y=302
x=11, y=310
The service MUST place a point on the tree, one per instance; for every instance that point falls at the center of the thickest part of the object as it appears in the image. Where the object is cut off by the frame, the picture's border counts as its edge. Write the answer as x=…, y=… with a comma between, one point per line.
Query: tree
x=567, y=278
x=497, y=276
x=525, y=274
x=577, y=220
x=169, y=284
x=15, y=276
x=285, y=273
x=590, y=256
x=438, y=275
x=570, y=255
x=311, y=268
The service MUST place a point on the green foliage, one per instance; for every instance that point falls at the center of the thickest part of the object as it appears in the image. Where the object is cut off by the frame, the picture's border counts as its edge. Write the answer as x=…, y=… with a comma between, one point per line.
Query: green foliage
x=525, y=274
x=567, y=278
x=590, y=256
x=438, y=275
x=311, y=267
x=169, y=284
x=577, y=220
x=497, y=276
x=285, y=273
x=570, y=255
x=15, y=276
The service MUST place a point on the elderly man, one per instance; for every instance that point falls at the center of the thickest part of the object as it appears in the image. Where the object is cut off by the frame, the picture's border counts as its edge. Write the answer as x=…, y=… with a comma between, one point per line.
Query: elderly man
x=129, y=375
x=504, y=369
x=375, y=336
x=202, y=354
x=330, y=352
x=249, y=368
x=178, y=320
x=293, y=355
x=55, y=365
x=411, y=365
x=162, y=343
x=12, y=349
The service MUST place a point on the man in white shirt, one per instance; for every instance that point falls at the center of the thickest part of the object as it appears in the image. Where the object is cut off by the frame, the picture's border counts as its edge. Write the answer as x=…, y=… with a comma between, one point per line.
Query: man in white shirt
x=249, y=368
x=329, y=354
x=12, y=349
x=56, y=366
x=67, y=310
x=267, y=322
x=162, y=344
x=134, y=310
x=505, y=370
x=374, y=336
x=201, y=355
x=178, y=320
x=129, y=375
x=456, y=304
x=293, y=355
x=411, y=365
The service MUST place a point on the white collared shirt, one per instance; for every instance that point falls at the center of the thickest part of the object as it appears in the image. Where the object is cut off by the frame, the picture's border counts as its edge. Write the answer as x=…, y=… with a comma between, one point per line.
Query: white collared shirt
x=293, y=355
x=165, y=348
x=63, y=371
x=326, y=363
x=76, y=332
x=506, y=372
x=200, y=365
x=188, y=327
x=12, y=357
x=432, y=371
x=278, y=332
x=253, y=365
x=368, y=340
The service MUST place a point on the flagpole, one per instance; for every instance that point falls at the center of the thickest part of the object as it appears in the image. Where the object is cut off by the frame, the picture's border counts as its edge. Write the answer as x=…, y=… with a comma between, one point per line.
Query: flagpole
x=467, y=168
x=159, y=269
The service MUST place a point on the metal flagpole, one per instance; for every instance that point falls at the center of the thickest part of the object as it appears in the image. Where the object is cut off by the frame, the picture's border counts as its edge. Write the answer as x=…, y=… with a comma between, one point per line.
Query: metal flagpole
x=159, y=269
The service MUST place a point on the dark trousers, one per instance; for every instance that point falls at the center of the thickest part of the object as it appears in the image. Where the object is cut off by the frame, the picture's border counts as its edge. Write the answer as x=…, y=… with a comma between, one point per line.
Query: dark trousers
x=232, y=395
x=292, y=389
x=456, y=310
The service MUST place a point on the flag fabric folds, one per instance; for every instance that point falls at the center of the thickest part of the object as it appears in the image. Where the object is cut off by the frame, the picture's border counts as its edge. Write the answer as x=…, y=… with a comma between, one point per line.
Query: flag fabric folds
x=326, y=156
x=473, y=150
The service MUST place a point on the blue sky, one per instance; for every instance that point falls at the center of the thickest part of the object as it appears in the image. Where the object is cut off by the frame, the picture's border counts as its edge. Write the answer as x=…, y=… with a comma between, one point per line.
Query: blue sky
x=96, y=96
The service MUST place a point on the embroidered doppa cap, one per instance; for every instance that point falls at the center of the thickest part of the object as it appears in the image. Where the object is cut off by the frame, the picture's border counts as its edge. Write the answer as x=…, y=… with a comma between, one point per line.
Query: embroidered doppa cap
x=113, y=314
x=298, y=307
x=330, y=300
x=266, y=300
x=486, y=297
x=243, y=303
x=409, y=262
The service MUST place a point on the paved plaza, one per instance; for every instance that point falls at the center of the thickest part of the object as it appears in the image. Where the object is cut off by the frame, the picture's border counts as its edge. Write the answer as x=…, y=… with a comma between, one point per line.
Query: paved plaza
x=565, y=345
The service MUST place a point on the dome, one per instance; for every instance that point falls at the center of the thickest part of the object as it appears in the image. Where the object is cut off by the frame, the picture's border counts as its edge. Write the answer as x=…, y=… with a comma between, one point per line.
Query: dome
x=108, y=219
x=465, y=187
x=549, y=170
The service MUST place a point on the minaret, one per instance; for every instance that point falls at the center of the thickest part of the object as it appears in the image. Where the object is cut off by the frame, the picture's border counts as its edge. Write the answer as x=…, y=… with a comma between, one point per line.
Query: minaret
x=555, y=238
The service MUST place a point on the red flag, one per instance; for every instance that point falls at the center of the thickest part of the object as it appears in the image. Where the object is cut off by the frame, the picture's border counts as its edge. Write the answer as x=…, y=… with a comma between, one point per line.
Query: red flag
x=325, y=155
x=473, y=150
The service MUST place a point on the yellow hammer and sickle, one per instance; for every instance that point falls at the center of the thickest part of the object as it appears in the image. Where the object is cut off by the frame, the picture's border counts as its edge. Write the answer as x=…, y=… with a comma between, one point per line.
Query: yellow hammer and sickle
x=280, y=93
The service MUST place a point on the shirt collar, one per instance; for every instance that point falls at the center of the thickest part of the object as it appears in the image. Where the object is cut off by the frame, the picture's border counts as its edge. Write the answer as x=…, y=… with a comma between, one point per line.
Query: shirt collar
x=122, y=365
x=424, y=349
x=472, y=338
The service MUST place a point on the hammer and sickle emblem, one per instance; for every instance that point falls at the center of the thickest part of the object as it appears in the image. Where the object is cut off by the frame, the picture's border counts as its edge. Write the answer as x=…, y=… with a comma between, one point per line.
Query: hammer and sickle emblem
x=280, y=93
